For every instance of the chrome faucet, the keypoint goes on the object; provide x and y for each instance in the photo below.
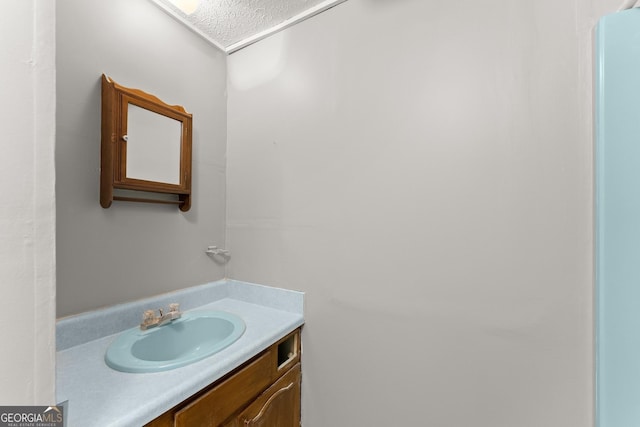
(150, 320)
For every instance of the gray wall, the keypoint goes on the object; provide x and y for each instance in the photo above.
(27, 207)
(130, 251)
(422, 169)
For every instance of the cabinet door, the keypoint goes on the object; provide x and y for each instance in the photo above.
(218, 404)
(278, 406)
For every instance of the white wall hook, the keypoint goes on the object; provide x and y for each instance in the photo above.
(628, 4)
(214, 250)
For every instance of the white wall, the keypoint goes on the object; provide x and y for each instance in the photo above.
(133, 250)
(423, 170)
(27, 207)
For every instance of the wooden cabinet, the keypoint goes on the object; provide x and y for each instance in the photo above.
(278, 406)
(264, 392)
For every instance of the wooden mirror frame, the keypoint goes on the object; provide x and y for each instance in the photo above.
(113, 153)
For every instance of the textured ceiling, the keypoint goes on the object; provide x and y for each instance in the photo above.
(233, 24)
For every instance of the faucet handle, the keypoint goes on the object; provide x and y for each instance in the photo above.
(148, 317)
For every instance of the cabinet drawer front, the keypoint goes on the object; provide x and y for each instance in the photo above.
(215, 406)
(278, 406)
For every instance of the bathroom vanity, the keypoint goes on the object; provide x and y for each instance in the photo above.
(253, 382)
(264, 391)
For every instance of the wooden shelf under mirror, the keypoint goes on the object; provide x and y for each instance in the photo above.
(146, 148)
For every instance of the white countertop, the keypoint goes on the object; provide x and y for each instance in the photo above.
(101, 396)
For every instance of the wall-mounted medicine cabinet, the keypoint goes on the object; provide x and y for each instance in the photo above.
(146, 148)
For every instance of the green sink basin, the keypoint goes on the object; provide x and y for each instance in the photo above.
(193, 337)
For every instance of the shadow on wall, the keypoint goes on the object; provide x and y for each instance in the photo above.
(254, 67)
(386, 3)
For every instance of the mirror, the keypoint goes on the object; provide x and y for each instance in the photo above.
(153, 146)
(146, 148)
